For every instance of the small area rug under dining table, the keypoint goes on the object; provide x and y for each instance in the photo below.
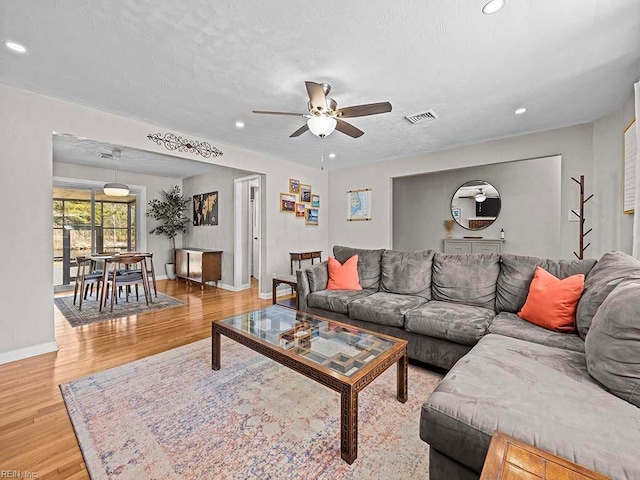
(170, 416)
(91, 313)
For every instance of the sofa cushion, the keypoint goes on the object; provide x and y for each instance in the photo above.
(384, 308)
(407, 273)
(336, 300)
(459, 323)
(368, 264)
(516, 273)
(318, 276)
(541, 395)
(611, 269)
(467, 279)
(343, 276)
(511, 325)
(613, 343)
(551, 302)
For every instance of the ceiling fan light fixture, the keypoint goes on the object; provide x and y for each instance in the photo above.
(321, 126)
(480, 197)
(116, 189)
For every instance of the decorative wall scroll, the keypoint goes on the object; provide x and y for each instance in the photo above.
(359, 205)
(205, 209)
(174, 142)
(630, 168)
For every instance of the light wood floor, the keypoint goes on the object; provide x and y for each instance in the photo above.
(35, 431)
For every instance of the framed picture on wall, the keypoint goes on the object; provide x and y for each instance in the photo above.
(205, 209)
(311, 216)
(359, 205)
(300, 208)
(305, 193)
(287, 203)
(294, 185)
(315, 201)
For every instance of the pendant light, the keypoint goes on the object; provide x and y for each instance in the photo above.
(115, 189)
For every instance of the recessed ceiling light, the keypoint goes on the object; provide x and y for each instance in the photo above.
(16, 47)
(332, 155)
(493, 6)
(239, 124)
(520, 111)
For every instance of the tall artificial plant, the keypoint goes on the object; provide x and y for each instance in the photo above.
(169, 211)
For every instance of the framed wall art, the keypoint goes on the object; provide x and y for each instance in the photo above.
(305, 193)
(300, 208)
(359, 205)
(294, 186)
(311, 216)
(287, 203)
(315, 201)
(205, 209)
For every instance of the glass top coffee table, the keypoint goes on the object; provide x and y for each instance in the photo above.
(342, 357)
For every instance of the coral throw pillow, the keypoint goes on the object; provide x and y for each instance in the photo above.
(343, 276)
(552, 302)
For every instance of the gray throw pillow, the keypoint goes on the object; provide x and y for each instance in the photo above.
(612, 346)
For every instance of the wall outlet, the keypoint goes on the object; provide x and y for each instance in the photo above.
(573, 217)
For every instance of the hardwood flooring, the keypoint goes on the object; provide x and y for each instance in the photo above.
(35, 431)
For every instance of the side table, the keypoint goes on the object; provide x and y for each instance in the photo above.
(292, 281)
(511, 459)
(299, 256)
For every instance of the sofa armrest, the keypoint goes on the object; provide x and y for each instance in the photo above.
(311, 279)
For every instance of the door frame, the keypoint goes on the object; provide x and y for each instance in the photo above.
(241, 218)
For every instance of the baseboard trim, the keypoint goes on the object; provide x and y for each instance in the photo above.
(281, 291)
(22, 353)
(233, 288)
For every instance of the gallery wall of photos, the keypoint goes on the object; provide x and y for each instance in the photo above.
(301, 202)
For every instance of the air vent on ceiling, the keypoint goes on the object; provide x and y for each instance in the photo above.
(106, 155)
(422, 117)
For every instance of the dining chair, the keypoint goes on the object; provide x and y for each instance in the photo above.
(86, 277)
(135, 273)
(151, 271)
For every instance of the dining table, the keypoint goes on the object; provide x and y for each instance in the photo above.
(112, 258)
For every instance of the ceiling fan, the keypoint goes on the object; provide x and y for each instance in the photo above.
(324, 117)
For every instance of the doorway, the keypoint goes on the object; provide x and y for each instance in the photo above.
(247, 255)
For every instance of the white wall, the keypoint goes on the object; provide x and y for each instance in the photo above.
(26, 166)
(160, 246)
(529, 193)
(612, 228)
(577, 145)
(215, 237)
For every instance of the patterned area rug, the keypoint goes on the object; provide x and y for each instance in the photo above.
(170, 416)
(91, 314)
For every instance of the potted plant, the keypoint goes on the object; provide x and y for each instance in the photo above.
(169, 211)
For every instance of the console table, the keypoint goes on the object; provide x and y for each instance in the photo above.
(293, 283)
(472, 245)
(299, 256)
(199, 265)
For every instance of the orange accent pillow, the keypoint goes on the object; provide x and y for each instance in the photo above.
(552, 302)
(343, 276)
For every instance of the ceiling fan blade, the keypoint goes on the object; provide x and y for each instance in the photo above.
(280, 113)
(363, 110)
(300, 131)
(316, 96)
(348, 129)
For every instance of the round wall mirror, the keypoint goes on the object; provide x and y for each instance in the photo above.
(475, 205)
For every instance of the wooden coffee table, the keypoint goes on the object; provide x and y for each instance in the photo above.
(344, 358)
(511, 459)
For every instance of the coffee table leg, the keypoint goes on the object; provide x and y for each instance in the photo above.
(215, 349)
(403, 371)
(349, 425)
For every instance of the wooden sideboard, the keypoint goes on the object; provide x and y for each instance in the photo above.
(199, 265)
(472, 245)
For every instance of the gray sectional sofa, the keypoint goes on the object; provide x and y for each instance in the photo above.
(458, 312)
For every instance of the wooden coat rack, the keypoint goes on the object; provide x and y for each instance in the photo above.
(581, 218)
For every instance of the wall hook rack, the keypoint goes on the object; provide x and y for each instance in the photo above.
(581, 219)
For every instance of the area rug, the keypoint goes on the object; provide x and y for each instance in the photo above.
(170, 416)
(91, 314)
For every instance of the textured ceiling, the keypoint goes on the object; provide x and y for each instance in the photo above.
(82, 151)
(199, 66)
